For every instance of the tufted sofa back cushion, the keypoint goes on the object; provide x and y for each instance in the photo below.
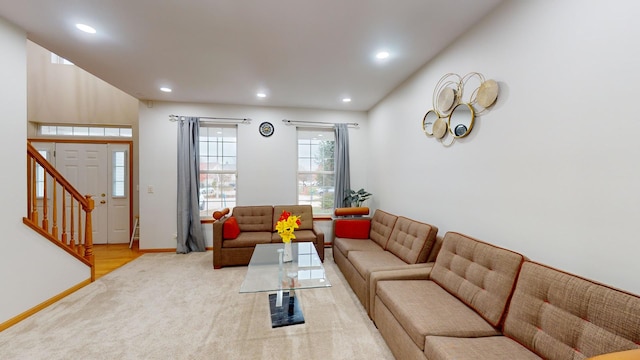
(254, 218)
(304, 211)
(562, 316)
(411, 240)
(479, 274)
(381, 226)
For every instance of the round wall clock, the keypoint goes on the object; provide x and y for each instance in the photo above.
(266, 129)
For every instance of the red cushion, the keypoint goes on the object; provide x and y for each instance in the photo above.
(230, 229)
(352, 228)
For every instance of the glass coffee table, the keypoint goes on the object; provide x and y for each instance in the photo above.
(268, 273)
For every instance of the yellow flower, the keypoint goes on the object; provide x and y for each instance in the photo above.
(287, 225)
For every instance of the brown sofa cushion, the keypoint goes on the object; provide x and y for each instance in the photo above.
(305, 212)
(563, 316)
(248, 239)
(490, 347)
(345, 246)
(411, 240)
(254, 218)
(381, 226)
(480, 274)
(423, 308)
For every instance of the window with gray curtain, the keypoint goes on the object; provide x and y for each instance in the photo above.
(342, 167)
(316, 176)
(189, 236)
(218, 167)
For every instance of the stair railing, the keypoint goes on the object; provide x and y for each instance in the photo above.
(45, 187)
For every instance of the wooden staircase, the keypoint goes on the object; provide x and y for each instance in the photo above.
(57, 211)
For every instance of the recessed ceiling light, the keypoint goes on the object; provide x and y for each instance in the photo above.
(261, 95)
(382, 55)
(86, 28)
(165, 89)
(346, 100)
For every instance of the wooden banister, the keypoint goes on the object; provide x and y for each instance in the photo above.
(80, 243)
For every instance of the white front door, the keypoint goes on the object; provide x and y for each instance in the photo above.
(90, 169)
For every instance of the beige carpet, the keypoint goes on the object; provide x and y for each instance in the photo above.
(169, 306)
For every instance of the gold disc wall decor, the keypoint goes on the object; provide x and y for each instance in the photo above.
(487, 93)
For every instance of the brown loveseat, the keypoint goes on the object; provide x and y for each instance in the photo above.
(383, 243)
(480, 301)
(256, 225)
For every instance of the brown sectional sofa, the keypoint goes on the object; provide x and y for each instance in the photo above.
(257, 226)
(393, 242)
(480, 301)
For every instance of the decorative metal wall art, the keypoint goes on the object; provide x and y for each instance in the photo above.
(454, 113)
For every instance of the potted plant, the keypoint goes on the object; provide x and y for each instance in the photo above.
(356, 198)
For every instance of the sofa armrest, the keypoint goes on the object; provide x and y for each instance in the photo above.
(218, 227)
(621, 355)
(420, 271)
(319, 240)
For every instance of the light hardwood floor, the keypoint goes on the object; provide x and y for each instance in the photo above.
(111, 256)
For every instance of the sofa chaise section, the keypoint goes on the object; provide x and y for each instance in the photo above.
(407, 245)
(465, 296)
(554, 315)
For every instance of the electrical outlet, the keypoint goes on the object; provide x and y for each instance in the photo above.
(150, 189)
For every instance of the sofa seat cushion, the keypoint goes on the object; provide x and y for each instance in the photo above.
(248, 239)
(560, 315)
(345, 246)
(423, 308)
(301, 236)
(479, 274)
(367, 262)
(490, 347)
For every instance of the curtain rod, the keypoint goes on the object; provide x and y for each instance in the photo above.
(242, 120)
(293, 122)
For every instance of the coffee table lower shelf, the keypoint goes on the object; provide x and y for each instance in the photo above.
(289, 313)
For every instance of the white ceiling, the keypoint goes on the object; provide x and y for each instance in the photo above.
(302, 53)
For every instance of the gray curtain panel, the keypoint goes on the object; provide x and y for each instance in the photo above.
(190, 236)
(342, 172)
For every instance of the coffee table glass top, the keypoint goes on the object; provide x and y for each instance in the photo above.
(266, 274)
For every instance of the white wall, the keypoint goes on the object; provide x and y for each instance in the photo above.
(266, 166)
(32, 270)
(552, 170)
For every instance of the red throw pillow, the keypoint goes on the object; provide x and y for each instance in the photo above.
(352, 228)
(230, 229)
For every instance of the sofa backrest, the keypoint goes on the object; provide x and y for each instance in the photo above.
(562, 316)
(304, 211)
(479, 274)
(254, 218)
(381, 226)
(411, 240)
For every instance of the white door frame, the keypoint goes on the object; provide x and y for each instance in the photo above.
(49, 144)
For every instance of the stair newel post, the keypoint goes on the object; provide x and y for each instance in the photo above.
(88, 236)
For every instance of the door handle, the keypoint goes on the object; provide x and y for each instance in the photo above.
(103, 202)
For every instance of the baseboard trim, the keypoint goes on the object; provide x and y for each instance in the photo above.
(7, 324)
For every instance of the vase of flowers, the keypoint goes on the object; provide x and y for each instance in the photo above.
(286, 226)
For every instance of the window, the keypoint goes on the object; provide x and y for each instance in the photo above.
(218, 170)
(90, 131)
(55, 59)
(316, 184)
(119, 174)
